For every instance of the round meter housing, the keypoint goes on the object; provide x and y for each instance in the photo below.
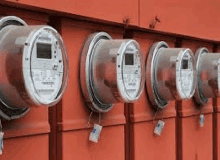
(34, 66)
(111, 71)
(208, 75)
(170, 74)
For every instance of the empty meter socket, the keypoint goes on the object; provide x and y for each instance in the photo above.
(170, 74)
(111, 71)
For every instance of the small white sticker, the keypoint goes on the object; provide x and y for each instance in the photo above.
(159, 127)
(202, 120)
(94, 135)
(1, 142)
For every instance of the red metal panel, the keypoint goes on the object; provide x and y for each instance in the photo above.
(27, 137)
(194, 142)
(147, 145)
(110, 146)
(194, 18)
(73, 115)
(110, 10)
(144, 144)
(28, 147)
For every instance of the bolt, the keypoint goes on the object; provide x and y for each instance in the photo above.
(157, 19)
(126, 21)
(154, 22)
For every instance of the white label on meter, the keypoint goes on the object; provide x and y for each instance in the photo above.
(186, 75)
(47, 66)
(131, 71)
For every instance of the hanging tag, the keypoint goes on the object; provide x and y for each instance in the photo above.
(159, 127)
(202, 120)
(1, 142)
(94, 135)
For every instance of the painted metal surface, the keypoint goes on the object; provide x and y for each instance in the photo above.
(108, 10)
(196, 141)
(194, 18)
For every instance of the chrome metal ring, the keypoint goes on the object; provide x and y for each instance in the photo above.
(88, 90)
(199, 96)
(7, 112)
(154, 97)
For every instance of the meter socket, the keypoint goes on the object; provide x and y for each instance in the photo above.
(34, 67)
(208, 75)
(111, 71)
(170, 74)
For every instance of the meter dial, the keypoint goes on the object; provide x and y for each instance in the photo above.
(208, 75)
(34, 66)
(170, 74)
(185, 75)
(110, 72)
(46, 66)
(46, 72)
(131, 71)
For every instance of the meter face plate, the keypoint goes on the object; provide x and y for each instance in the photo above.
(186, 75)
(46, 66)
(131, 71)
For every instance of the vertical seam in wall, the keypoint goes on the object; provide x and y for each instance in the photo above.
(55, 113)
(178, 105)
(127, 132)
(139, 12)
(52, 134)
(215, 47)
(178, 132)
(59, 139)
(214, 120)
(214, 130)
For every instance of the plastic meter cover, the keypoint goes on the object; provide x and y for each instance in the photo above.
(111, 71)
(170, 74)
(34, 66)
(208, 75)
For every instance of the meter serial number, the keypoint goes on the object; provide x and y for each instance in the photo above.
(48, 83)
(131, 84)
(45, 90)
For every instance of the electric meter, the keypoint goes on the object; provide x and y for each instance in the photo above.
(208, 75)
(111, 71)
(34, 67)
(170, 74)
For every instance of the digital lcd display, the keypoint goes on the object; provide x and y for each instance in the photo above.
(129, 59)
(44, 51)
(185, 64)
